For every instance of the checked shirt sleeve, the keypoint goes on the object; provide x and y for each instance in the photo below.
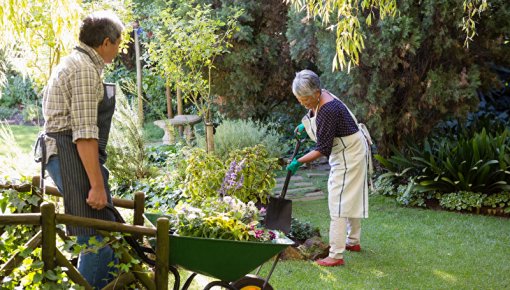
(86, 91)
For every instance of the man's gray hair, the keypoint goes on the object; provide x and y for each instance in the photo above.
(306, 83)
(98, 26)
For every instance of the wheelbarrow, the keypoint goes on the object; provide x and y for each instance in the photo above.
(230, 262)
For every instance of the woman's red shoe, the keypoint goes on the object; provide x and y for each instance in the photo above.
(330, 262)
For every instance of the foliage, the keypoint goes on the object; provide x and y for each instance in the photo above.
(415, 70)
(237, 134)
(255, 77)
(30, 274)
(207, 176)
(258, 172)
(189, 61)
(462, 200)
(302, 231)
(18, 91)
(7, 113)
(16, 163)
(220, 218)
(384, 186)
(349, 14)
(127, 153)
(203, 175)
(477, 164)
(41, 31)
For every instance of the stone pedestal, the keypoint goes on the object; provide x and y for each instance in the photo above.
(168, 125)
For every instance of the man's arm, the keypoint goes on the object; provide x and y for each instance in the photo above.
(89, 155)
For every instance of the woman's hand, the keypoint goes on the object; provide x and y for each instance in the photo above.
(300, 132)
(294, 166)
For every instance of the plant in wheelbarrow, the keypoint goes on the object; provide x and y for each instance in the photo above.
(222, 239)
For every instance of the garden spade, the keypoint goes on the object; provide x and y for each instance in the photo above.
(279, 209)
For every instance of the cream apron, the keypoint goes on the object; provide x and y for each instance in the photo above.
(348, 178)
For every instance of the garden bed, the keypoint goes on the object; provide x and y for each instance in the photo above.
(484, 210)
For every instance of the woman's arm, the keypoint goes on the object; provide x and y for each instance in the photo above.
(310, 156)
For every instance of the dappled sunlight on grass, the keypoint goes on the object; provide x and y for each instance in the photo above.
(377, 273)
(445, 276)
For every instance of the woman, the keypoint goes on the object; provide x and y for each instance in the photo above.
(331, 124)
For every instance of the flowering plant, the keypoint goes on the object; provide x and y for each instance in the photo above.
(249, 176)
(221, 218)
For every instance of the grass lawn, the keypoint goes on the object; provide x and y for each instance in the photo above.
(402, 248)
(25, 137)
(407, 248)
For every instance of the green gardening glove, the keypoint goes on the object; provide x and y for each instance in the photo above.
(294, 166)
(300, 132)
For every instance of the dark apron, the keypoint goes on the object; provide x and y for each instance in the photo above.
(75, 181)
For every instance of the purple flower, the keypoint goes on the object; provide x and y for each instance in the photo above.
(231, 181)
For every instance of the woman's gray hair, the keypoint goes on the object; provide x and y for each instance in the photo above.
(306, 83)
(98, 26)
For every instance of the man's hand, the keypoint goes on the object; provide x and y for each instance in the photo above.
(97, 198)
(300, 132)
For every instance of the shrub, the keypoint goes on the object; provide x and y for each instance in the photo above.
(247, 175)
(17, 91)
(384, 186)
(302, 231)
(7, 113)
(127, 153)
(257, 173)
(476, 164)
(238, 134)
(462, 200)
(203, 175)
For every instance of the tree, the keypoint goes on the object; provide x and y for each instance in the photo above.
(254, 79)
(38, 33)
(349, 35)
(187, 42)
(416, 69)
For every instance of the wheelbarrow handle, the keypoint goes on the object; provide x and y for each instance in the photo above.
(289, 173)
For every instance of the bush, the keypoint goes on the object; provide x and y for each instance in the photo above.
(248, 175)
(238, 134)
(476, 164)
(7, 113)
(462, 200)
(127, 149)
(302, 231)
(17, 91)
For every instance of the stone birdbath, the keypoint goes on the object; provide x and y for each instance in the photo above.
(168, 125)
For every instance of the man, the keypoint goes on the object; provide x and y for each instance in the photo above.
(78, 109)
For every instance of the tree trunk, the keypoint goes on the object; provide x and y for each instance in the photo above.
(209, 136)
(209, 132)
(138, 78)
(179, 109)
(170, 113)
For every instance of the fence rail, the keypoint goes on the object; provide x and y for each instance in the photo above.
(46, 217)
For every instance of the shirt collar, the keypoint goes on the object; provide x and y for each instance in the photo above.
(96, 58)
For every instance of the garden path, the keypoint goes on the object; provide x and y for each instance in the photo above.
(303, 185)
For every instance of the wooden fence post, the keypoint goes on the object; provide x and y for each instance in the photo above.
(139, 208)
(49, 235)
(162, 252)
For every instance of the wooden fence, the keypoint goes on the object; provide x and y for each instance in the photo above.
(45, 217)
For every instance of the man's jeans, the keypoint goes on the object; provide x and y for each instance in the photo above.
(92, 266)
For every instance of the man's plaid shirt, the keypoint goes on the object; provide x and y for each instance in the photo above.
(71, 98)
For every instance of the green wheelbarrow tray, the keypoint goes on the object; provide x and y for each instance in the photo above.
(225, 260)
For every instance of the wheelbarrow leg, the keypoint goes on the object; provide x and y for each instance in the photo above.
(188, 281)
(272, 269)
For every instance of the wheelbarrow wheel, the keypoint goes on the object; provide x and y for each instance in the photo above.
(251, 282)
